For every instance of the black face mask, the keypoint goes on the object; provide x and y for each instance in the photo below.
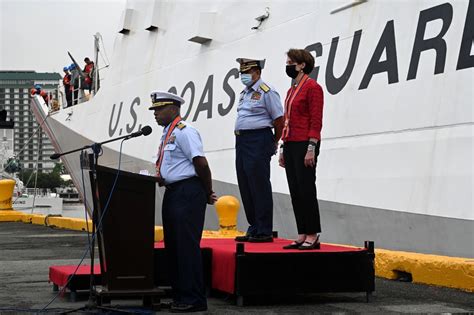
(291, 71)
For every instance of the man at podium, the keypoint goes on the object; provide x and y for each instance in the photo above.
(182, 168)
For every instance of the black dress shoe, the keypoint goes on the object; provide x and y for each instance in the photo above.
(243, 238)
(294, 245)
(187, 308)
(261, 239)
(308, 245)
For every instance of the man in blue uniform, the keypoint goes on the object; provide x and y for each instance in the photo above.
(182, 168)
(259, 111)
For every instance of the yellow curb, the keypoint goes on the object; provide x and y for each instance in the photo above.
(34, 219)
(58, 222)
(445, 271)
(69, 223)
(11, 216)
(452, 272)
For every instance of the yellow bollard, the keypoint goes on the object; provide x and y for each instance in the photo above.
(6, 193)
(227, 208)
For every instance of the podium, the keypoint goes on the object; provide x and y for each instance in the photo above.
(125, 235)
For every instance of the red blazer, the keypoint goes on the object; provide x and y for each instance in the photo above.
(306, 117)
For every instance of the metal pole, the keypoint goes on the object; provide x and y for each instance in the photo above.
(96, 64)
(36, 172)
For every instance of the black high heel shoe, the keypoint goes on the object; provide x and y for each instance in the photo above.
(294, 245)
(308, 245)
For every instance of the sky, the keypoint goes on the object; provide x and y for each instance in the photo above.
(36, 35)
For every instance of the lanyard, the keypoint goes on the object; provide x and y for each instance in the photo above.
(290, 97)
(161, 150)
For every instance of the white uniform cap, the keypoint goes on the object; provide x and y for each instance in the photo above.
(159, 99)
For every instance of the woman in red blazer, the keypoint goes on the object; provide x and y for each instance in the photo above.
(301, 141)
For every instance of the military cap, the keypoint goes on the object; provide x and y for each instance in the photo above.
(246, 64)
(159, 99)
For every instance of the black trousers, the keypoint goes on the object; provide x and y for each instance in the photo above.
(183, 212)
(302, 184)
(253, 151)
(68, 93)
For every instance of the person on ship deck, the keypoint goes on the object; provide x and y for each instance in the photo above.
(67, 86)
(89, 72)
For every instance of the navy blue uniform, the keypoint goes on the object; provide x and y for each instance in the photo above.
(183, 213)
(259, 106)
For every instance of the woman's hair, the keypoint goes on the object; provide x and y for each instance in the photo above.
(300, 56)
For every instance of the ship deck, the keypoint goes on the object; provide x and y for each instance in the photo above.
(27, 251)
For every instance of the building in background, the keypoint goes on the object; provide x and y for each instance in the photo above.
(29, 147)
(6, 139)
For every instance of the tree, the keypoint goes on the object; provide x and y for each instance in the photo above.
(59, 168)
(44, 180)
(13, 166)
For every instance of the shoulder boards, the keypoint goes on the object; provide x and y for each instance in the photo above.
(180, 125)
(265, 88)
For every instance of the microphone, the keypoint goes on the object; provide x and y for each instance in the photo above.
(145, 131)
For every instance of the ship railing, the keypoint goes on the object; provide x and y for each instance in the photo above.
(39, 192)
(79, 96)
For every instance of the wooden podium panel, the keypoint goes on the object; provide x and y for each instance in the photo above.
(126, 236)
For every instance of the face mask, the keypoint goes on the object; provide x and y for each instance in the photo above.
(246, 79)
(291, 71)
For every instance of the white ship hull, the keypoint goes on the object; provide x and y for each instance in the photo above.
(396, 162)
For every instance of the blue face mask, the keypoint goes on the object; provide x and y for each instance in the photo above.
(246, 79)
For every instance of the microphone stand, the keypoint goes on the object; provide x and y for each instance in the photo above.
(96, 147)
(92, 162)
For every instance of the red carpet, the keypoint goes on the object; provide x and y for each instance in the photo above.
(59, 275)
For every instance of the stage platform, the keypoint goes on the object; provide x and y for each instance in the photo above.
(253, 269)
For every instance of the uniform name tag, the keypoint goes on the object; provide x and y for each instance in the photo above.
(170, 147)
